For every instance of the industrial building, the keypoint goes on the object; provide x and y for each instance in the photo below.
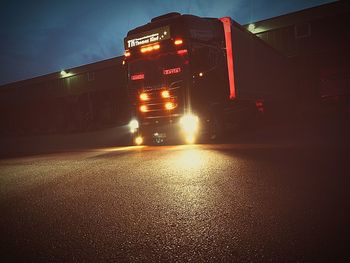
(316, 41)
(74, 100)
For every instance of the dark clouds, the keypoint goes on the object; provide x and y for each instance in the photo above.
(39, 37)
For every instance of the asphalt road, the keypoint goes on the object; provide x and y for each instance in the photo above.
(198, 203)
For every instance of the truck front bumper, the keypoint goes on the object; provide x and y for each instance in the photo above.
(175, 130)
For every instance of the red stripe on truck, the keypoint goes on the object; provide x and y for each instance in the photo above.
(226, 21)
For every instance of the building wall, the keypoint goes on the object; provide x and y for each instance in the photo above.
(317, 42)
(94, 97)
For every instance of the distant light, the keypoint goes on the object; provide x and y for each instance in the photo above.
(65, 73)
(251, 27)
(200, 74)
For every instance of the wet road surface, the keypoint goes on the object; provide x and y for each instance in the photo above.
(198, 203)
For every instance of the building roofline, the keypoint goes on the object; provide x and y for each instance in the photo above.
(303, 15)
(98, 65)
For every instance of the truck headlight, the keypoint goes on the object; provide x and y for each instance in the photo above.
(189, 124)
(133, 125)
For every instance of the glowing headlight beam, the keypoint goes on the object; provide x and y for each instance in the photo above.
(189, 123)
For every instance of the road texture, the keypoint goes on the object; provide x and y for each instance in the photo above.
(278, 202)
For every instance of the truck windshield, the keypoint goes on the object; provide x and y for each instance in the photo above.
(153, 72)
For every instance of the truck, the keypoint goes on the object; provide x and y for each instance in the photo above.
(191, 77)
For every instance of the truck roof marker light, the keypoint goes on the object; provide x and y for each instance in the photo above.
(150, 48)
(144, 49)
(144, 96)
(169, 106)
(165, 94)
(178, 42)
(226, 21)
(182, 52)
(143, 108)
(127, 53)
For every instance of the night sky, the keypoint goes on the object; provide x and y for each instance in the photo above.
(40, 37)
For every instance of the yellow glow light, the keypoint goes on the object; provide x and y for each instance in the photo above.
(143, 108)
(165, 94)
(144, 96)
(138, 140)
(189, 124)
(150, 48)
(190, 139)
(178, 42)
(169, 105)
(127, 53)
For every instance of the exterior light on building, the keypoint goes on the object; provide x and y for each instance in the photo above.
(251, 27)
(65, 73)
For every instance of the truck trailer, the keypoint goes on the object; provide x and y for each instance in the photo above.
(190, 77)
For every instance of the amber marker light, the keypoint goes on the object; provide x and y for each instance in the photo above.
(127, 53)
(143, 108)
(150, 48)
(169, 105)
(165, 94)
(145, 49)
(178, 42)
(144, 96)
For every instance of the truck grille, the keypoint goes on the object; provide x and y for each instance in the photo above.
(156, 105)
